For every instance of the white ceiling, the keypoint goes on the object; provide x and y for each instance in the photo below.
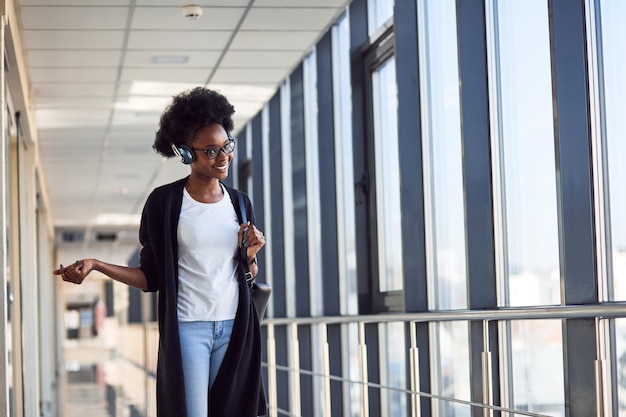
(98, 90)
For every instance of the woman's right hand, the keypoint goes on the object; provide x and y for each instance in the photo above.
(76, 272)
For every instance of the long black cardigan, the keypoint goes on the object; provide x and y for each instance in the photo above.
(238, 388)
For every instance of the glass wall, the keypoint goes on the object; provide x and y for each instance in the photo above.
(385, 102)
(312, 183)
(450, 368)
(346, 240)
(527, 157)
(444, 205)
(393, 368)
(378, 12)
(525, 191)
(443, 176)
(538, 366)
(344, 167)
(613, 34)
(611, 15)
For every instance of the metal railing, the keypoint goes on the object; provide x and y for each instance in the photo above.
(597, 311)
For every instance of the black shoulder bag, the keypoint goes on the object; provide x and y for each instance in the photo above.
(259, 291)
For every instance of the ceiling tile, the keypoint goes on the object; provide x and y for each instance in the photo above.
(166, 74)
(71, 135)
(288, 19)
(68, 18)
(261, 59)
(183, 40)
(92, 3)
(73, 39)
(133, 118)
(203, 3)
(82, 75)
(245, 92)
(46, 89)
(55, 118)
(240, 76)
(274, 40)
(301, 3)
(92, 102)
(73, 58)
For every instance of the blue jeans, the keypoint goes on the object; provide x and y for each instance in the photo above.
(203, 345)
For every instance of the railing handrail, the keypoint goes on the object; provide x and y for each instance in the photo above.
(604, 310)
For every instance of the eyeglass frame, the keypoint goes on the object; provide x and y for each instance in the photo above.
(230, 144)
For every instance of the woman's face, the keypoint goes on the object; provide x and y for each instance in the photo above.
(211, 138)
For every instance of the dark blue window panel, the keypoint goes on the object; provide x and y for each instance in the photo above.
(299, 193)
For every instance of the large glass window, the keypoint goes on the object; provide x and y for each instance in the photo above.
(393, 369)
(378, 12)
(537, 357)
(285, 135)
(525, 196)
(613, 14)
(385, 110)
(443, 186)
(525, 139)
(441, 138)
(450, 368)
(612, 33)
(346, 240)
(312, 183)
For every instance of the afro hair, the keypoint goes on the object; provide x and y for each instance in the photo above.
(190, 111)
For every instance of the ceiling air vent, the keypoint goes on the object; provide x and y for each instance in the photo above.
(72, 236)
(106, 236)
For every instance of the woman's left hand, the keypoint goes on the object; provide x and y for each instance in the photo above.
(251, 238)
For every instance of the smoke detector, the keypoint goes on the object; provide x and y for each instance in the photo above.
(192, 11)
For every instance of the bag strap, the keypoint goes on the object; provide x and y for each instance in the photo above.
(242, 207)
(243, 257)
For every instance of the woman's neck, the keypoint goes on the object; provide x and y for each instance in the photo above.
(209, 191)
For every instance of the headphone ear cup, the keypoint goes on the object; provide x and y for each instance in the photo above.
(186, 155)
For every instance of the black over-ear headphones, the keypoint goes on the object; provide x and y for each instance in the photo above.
(184, 154)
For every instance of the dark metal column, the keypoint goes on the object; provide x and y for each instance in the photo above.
(477, 184)
(277, 299)
(258, 194)
(572, 133)
(412, 184)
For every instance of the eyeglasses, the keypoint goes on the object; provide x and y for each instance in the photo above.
(212, 153)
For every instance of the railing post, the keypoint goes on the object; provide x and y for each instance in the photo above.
(486, 368)
(602, 403)
(415, 374)
(296, 407)
(326, 368)
(363, 371)
(272, 391)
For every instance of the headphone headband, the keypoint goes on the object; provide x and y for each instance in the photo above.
(185, 154)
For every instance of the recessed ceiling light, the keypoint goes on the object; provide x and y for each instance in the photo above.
(170, 59)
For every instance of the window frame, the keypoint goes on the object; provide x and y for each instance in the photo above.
(378, 52)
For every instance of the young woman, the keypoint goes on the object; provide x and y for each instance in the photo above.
(210, 346)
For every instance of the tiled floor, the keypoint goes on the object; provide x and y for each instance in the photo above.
(86, 399)
(92, 381)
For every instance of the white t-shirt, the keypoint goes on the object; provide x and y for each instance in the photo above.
(207, 260)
